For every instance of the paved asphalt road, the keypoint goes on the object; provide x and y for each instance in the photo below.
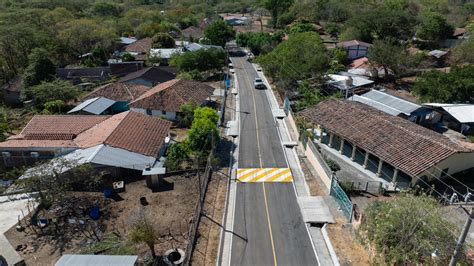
(268, 226)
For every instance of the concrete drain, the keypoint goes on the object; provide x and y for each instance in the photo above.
(174, 257)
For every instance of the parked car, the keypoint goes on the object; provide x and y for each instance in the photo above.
(258, 83)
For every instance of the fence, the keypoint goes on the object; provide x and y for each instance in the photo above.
(374, 187)
(203, 182)
(341, 198)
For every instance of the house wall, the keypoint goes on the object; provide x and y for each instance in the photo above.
(169, 115)
(455, 163)
(19, 157)
(140, 81)
(356, 51)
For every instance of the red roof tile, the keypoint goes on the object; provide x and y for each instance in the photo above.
(118, 91)
(399, 142)
(170, 95)
(140, 46)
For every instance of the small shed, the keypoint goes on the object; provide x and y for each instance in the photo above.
(96, 260)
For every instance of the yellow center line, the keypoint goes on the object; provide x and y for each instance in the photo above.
(255, 113)
(269, 224)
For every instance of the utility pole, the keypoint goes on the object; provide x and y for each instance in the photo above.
(462, 238)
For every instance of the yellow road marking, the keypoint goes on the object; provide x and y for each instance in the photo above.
(278, 175)
(249, 173)
(267, 172)
(269, 225)
(288, 179)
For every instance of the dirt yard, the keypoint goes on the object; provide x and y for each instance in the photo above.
(172, 211)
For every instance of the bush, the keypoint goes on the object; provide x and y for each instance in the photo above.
(332, 164)
(175, 155)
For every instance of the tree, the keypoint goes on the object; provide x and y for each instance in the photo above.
(40, 68)
(301, 27)
(163, 40)
(463, 52)
(407, 230)
(4, 127)
(81, 35)
(276, 8)
(382, 24)
(175, 155)
(204, 133)
(143, 230)
(104, 9)
(53, 180)
(127, 57)
(50, 91)
(257, 42)
(187, 114)
(433, 27)
(201, 60)
(219, 33)
(457, 86)
(386, 53)
(302, 57)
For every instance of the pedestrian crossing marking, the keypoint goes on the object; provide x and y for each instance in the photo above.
(264, 175)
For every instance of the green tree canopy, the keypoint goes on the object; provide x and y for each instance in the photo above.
(50, 91)
(40, 68)
(257, 42)
(457, 86)
(163, 40)
(433, 27)
(81, 35)
(463, 52)
(277, 8)
(201, 60)
(204, 133)
(383, 23)
(303, 56)
(388, 54)
(219, 32)
(407, 230)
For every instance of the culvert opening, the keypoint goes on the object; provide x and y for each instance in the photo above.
(174, 256)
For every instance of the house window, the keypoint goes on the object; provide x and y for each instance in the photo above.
(163, 112)
(148, 111)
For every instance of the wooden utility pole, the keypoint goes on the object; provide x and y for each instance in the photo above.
(462, 238)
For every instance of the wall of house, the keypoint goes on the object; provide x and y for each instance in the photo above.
(140, 81)
(356, 51)
(19, 157)
(455, 163)
(168, 115)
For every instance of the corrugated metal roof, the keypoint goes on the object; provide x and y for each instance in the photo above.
(165, 53)
(387, 103)
(464, 113)
(100, 154)
(93, 260)
(94, 106)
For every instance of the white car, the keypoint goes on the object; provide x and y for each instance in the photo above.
(258, 83)
(231, 68)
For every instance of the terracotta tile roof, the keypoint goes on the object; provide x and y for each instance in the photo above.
(399, 142)
(131, 131)
(58, 127)
(140, 133)
(353, 43)
(459, 32)
(140, 46)
(23, 143)
(169, 96)
(362, 62)
(194, 32)
(118, 91)
(153, 74)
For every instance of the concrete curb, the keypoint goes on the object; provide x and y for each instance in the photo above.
(332, 252)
